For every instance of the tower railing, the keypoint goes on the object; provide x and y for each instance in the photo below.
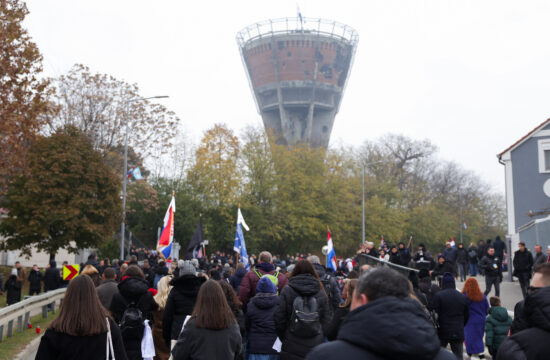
(308, 26)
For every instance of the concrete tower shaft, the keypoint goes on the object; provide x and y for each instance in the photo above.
(298, 71)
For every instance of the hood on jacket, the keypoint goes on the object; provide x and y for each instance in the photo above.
(321, 271)
(537, 308)
(499, 313)
(265, 300)
(406, 331)
(133, 287)
(304, 284)
(188, 285)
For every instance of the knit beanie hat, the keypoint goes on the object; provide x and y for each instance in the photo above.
(187, 268)
(448, 281)
(180, 264)
(265, 285)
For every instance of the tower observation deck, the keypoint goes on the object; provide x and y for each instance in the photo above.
(298, 71)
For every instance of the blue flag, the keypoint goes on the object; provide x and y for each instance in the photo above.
(239, 246)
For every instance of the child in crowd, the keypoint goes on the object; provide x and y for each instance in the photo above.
(496, 326)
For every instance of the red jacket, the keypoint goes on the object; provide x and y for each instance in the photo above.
(250, 280)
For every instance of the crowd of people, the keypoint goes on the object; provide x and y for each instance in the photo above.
(293, 307)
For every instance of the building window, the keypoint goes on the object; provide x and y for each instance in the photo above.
(544, 155)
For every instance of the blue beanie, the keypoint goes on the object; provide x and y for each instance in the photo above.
(448, 281)
(265, 285)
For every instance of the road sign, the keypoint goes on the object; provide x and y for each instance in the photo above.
(70, 271)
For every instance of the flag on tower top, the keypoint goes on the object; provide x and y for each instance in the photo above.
(167, 236)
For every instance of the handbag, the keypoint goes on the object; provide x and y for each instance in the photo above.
(109, 351)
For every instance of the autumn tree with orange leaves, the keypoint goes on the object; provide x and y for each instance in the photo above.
(23, 95)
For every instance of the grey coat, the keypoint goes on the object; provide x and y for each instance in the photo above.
(106, 291)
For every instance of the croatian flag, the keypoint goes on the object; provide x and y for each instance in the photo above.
(165, 242)
(453, 242)
(331, 255)
(240, 246)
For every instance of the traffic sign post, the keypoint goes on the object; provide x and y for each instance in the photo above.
(70, 271)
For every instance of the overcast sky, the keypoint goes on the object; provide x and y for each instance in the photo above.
(471, 76)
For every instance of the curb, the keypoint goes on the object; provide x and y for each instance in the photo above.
(29, 351)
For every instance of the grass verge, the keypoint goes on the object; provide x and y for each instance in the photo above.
(11, 346)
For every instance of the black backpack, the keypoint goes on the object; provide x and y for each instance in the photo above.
(132, 322)
(305, 320)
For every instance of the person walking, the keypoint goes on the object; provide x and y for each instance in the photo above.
(13, 288)
(452, 310)
(180, 302)
(83, 328)
(342, 311)
(540, 258)
(534, 341)
(133, 292)
(303, 296)
(477, 309)
(162, 349)
(35, 281)
(250, 280)
(260, 325)
(108, 288)
(212, 331)
(462, 262)
(497, 326)
(52, 280)
(523, 264)
(473, 259)
(492, 269)
(373, 332)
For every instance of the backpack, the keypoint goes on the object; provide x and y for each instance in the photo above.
(132, 322)
(326, 284)
(305, 320)
(274, 278)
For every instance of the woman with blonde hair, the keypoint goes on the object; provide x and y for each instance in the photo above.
(475, 327)
(164, 288)
(93, 273)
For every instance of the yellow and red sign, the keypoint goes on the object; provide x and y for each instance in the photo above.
(70, 271)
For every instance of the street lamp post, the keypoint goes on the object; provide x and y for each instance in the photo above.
(124, 174)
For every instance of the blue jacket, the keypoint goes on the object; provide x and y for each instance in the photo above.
(260, 324)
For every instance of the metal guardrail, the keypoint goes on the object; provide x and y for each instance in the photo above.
(372, 261)
(21, 311)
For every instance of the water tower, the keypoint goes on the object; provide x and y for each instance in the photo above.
(298, 70)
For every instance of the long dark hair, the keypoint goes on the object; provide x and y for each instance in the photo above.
(231, 297)
(211, 309)
(81, 312)
(305, 267)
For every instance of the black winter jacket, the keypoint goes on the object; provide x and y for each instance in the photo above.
(133, 289)
(260, 325)
(534, 342)
(441, 269)
(35, 280)
(55, 345)
(295, 347)
(491, 266)
(523, 262)
(371, 332)
(180, 303)
(205, 344)
(429, 289)
(452, 309)
(461, 256)
(13, 289)
(52, 280)
(336, 322)
(333, 285)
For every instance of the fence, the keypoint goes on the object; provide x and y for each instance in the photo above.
(21, 312)
(364, 259)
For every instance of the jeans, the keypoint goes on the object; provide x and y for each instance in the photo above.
(263, 357)
(462, 271)
(473, 269)
(489, 281)
(456, 347)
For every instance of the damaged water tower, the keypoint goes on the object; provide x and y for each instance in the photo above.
(298, 70)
